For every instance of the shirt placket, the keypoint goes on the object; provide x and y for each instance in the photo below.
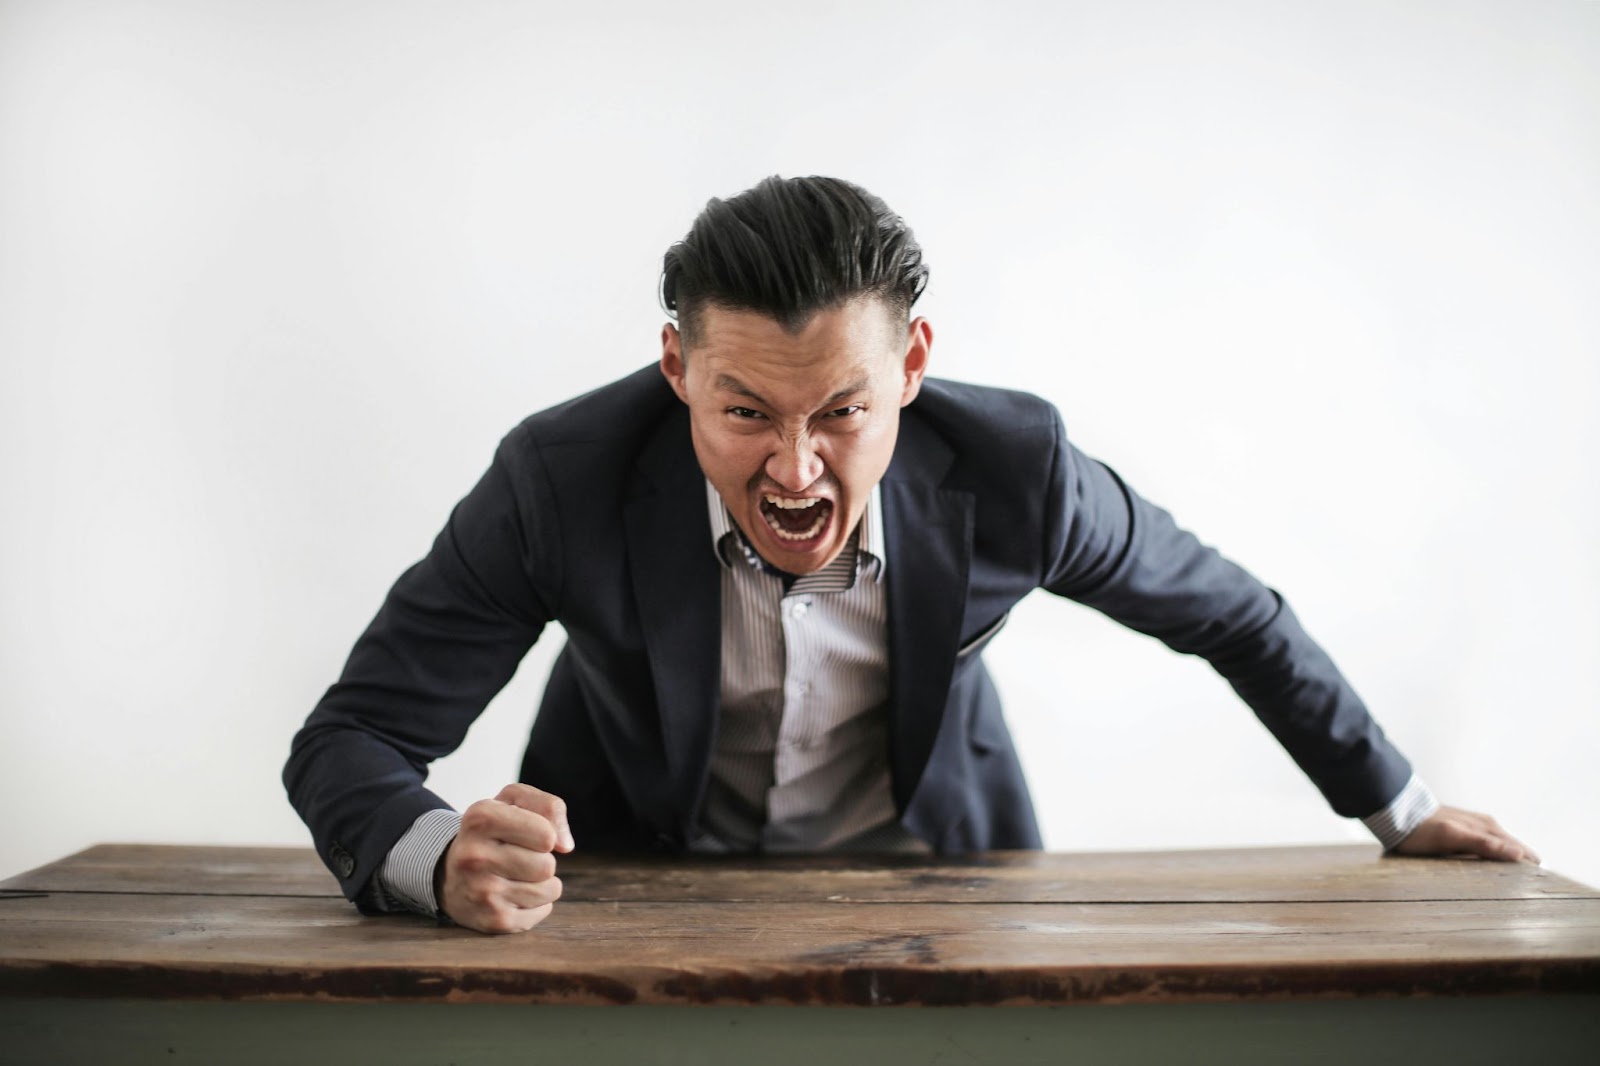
(798, 614)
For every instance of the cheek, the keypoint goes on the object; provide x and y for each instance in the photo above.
(865, 453)
(728, 453)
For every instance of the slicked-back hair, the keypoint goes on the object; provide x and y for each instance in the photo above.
(788, 248)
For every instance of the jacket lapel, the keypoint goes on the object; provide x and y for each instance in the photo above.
(929, 543)
(677, 589)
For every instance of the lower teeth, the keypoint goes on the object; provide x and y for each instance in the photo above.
(805, 534)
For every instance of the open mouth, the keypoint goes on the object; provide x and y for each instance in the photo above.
(796, 521)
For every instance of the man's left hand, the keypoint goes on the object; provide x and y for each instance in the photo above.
(1453, 831)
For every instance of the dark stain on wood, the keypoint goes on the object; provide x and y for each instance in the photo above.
(362, 985)
(912, 948)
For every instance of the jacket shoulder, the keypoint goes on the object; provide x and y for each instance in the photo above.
(980, 420)
(622, 413)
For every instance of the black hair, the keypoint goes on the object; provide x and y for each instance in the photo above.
(788, 248)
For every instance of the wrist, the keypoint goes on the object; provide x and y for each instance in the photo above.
(438, 882)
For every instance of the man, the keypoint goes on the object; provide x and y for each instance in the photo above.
(777, 558)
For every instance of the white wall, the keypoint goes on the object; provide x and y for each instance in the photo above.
(1319, 278)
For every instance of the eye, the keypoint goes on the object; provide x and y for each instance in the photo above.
(744, 412)
(845, 412)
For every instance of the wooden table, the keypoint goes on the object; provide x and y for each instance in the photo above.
(1253, 955)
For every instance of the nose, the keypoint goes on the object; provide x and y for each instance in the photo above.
(795, 465)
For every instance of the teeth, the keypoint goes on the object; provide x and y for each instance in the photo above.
(791, 505)
(804, 534)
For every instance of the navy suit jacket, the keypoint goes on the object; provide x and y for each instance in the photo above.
(592, 514)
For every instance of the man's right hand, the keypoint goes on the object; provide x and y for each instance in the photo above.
(499, 875)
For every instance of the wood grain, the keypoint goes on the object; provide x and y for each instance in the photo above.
(167, 922)
(85, 944)
(1323, 873)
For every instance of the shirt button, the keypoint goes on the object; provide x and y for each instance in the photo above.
(799, 609)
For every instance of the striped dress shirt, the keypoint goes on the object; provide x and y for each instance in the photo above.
(801, 761)
(801, 755)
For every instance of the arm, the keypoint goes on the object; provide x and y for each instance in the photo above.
(1120, 554)
(448, 637)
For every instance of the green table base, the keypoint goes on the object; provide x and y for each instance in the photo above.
(1498, 1030)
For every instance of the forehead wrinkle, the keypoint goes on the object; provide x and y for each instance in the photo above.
(728, 383)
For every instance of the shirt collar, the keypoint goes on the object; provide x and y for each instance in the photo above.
(868, 535)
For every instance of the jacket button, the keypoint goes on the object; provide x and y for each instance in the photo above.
(343, 864)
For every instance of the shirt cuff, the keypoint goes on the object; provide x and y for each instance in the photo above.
(405, 879)
(1413, 806)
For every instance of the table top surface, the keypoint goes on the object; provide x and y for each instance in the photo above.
(156, 921)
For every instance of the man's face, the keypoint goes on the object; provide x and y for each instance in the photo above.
(794, 430)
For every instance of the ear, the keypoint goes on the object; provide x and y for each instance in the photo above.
(919, 341)
(673, 367)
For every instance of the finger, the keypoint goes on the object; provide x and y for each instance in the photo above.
(504, 919)
(1524, 853)
(524, 829)
(542, 803)
(1519, 850)
(528, 895)
(505, 904)
(1510, 848)
(485, 856)
(502, 822)
(1507, 848)
(517, 863)
(1492, 847)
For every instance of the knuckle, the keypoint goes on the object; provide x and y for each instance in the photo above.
(478, 817)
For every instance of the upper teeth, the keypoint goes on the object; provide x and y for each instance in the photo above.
(792, 505)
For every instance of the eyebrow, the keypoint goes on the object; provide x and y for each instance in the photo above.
(729, 383)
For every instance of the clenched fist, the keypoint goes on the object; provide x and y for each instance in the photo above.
(498, 874)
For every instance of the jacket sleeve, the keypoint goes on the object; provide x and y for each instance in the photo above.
(448, 636)
(1109, 549)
